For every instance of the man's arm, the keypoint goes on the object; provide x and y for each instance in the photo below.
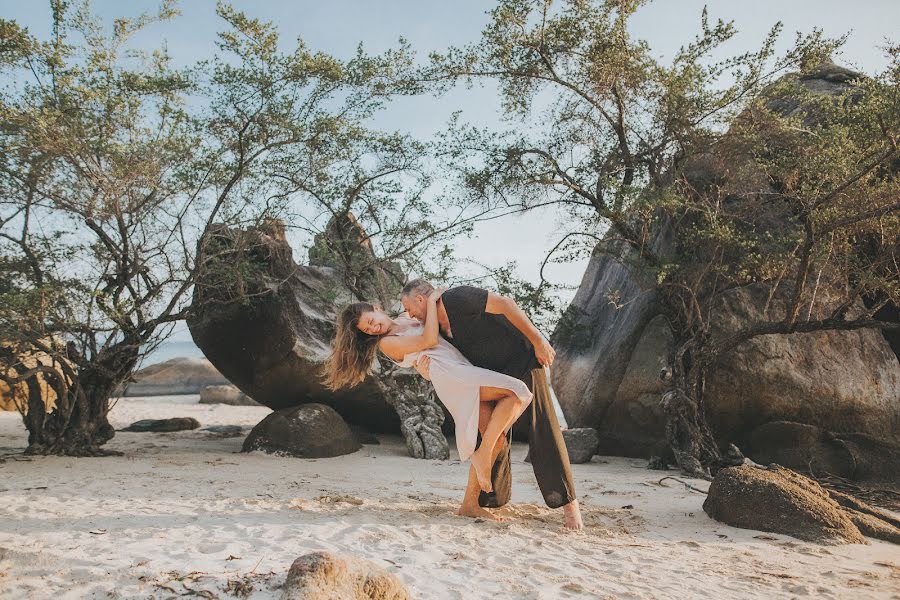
(501, 305)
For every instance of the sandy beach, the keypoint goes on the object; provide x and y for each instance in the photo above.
(186, 514)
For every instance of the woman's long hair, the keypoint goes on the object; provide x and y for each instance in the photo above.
(354, 351)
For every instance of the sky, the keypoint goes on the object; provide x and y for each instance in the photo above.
(338, 26)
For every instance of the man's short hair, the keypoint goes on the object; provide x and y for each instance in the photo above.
(416, 287)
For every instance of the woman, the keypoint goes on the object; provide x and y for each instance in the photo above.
(362, 329)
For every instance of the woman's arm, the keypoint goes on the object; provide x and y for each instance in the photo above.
(398, 346)
(430, 332)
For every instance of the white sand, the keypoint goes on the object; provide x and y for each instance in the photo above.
(185, 511)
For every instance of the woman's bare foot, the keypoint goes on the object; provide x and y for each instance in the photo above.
(573, 516)
(481, 462)
(476, 512)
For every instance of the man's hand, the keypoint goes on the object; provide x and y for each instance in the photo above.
(544, 352)
(422, 367)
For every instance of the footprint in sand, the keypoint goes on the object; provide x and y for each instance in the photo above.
(210, 548)
(571, 588)
(340, 499)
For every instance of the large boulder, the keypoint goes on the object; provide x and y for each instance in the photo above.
(174, 377)
(840, 381)
(779, 500)
(326, 576)
(611, 346)
(307, 431)
(803, 447)
(267, 324)
(614, 342)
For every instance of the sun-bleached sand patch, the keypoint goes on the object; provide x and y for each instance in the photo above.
(187, 513)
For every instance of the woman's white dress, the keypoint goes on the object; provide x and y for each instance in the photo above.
(457, 383)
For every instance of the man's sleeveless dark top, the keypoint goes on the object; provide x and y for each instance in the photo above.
(489, 341)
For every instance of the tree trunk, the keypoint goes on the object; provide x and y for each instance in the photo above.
(421, 416)
(687, 433)
(78, 425)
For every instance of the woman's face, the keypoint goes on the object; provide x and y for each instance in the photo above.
(374, 322)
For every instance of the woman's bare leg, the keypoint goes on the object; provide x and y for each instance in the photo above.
(507, 409)
(470, 507)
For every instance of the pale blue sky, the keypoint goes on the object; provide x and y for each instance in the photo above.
(337, 26)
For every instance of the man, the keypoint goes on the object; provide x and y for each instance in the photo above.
(492, 332)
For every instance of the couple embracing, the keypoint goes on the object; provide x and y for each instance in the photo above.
(486, 361)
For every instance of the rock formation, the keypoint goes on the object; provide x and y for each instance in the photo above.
(174, 377)
(306, 431)
(611, 346)
(613, 343)
(267, 324)
(854, 456)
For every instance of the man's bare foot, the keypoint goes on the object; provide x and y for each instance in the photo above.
(573, 516)
(481, 462)
(477, 512)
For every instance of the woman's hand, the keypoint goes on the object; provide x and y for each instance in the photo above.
(430, 334)
(422, 365)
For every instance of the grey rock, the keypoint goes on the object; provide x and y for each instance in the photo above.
(271, 342)
(174, 377)
(855, 456)
(226, 394)
(582, 444)
(327, 576)
(778, 500)
(306, 431)
(841, 381)
(611, 345)
(163, 425)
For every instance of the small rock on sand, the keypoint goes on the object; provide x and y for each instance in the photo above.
(326, 576)
(163, 425)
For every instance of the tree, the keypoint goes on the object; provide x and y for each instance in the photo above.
(616, 130)
(96, 204)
